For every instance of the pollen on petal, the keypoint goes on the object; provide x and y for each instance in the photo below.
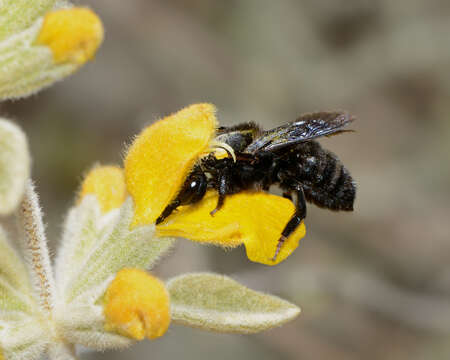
(73, 35)
(136, 305)
(255, 219)
(107, 183)
(162, 155)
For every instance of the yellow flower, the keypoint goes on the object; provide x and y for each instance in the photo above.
(73, 34)
(41, 43)
(162, 155)
(137, 305)
(108, 184)
(156, 166)
(255, 219)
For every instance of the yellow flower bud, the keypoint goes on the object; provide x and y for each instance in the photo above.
(73, 35)
(137, 305)
(107, 183)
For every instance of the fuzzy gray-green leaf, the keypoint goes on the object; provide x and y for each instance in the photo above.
(15, 288)
(218, 303)
(25, 67)
(17, 15)
(14, 165)
(22, 337)
(107, 245)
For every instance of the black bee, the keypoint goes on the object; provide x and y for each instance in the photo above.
(286, 156)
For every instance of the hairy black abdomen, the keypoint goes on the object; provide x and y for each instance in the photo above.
(325, 180)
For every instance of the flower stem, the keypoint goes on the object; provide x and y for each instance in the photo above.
(34, 244)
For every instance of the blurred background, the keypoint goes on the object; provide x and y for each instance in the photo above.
(373, 284)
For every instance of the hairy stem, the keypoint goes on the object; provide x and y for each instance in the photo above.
(34, 244)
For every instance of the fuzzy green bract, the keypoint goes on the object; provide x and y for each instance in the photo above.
(20, 332)
(14, 165)
(218, 303)
(95, 247)
(17, 15)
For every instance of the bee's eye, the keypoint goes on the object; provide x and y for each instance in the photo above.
(194, 188)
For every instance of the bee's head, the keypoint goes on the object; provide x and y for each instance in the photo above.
(194, 187)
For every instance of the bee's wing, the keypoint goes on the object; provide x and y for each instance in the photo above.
(306, 127)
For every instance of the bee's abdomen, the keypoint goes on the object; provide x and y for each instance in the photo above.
(325, 180)
(337, 194)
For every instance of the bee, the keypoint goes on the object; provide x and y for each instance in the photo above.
(287, 156)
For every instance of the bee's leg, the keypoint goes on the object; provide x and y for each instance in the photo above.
(294, 222)
(224, 189)
(219, 205)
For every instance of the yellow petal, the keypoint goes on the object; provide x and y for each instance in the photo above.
(107, 183)
(255, 219)
(161, 157)
(72, 34)
(137, 305)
